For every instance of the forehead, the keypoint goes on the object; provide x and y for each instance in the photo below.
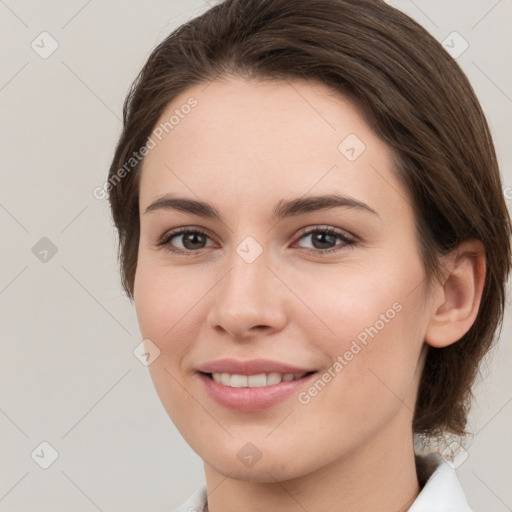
(264, 139)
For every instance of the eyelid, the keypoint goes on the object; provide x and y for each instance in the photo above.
(326, 227)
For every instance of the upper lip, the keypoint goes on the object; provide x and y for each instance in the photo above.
(250, 367)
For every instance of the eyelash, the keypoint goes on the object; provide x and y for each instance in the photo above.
(347, 241)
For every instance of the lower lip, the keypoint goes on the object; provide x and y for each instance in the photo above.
(252, 399)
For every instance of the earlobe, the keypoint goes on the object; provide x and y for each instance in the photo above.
(456, 302)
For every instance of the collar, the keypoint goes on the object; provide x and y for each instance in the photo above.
(441, 490)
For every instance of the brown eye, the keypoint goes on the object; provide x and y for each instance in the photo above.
(184, 241)
(323, 240)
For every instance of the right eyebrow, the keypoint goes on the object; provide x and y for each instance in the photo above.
(192, 206)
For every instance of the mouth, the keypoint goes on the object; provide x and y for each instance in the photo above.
(252, 393)
(260, 380)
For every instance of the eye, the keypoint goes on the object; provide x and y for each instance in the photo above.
(192, 239)
(323, 240)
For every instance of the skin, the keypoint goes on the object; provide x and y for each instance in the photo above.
(246, 146)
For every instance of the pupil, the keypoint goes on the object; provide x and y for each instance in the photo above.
(320, 237)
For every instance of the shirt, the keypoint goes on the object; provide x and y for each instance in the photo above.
(440, 489)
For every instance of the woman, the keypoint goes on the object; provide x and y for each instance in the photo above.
(306, 195)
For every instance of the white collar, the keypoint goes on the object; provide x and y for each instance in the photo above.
(442, 491)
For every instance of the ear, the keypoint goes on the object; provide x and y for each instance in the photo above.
(455, 303)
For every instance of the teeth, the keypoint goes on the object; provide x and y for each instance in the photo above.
(238, 381)
(254, 381)
(273, 378)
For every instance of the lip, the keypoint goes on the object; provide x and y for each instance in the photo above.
(250, 367)
(253, 399)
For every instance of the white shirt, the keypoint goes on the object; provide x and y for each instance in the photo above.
(441, 491)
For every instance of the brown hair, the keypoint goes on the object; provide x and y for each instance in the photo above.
(415, 97)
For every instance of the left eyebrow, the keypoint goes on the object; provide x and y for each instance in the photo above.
(309, 204)
(288, 208)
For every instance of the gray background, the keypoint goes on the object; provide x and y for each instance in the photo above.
(68, 374)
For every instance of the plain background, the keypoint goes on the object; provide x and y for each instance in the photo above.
(68, 375)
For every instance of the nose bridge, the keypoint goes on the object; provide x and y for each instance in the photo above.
(249, 274)
(248, 295)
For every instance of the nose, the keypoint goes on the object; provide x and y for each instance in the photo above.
(249, 301)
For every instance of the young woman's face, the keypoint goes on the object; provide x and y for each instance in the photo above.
(265, 281)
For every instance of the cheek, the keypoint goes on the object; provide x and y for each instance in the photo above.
(367, 386)
(353, 301)
(163, 298)
(171, 306)
(376, 320)
(383, 376)
(162, 316)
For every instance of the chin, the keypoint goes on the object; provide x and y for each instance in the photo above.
(268, 469)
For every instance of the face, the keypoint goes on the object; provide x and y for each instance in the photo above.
(331, 286)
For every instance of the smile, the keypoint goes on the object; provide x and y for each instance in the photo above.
(251, 393)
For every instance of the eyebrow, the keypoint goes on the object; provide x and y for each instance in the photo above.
(288, 208)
